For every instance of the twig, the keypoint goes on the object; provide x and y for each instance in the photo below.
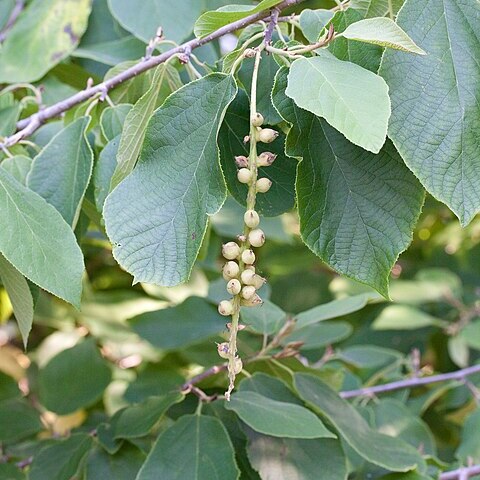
(461, 473)
(17, 10)
(271, 26)
(30, 124)
(411, 382)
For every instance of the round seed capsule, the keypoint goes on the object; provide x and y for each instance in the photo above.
(230, 250)
(238, 366)
(241, 161)
(258, 281)
(257, 119)
(231, 270)
(222, 349)
(252, 302)
(248, 257)
(256, 237)
(244, 175)
(265, 159)
(251, 218)
(267, 135)
(263, 185)
(247, 277)
(234, 287)
(225, 308)
(248, 292)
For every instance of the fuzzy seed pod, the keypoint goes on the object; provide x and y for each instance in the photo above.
(257, 119)
(258, 281)
(251, 218)
(266, 135)
(241, 161)
(249, 53)
(263, 185)
(225, 308)
(265, 159)
(246, 138)
(222, 349)
(250, 267)
(248, 292)
(238, 366)
(230, 270)
(247, 277)
(230, 250)
(252, 302)
(244, 175)
(256, 237)
(234, 287)
(248, 257)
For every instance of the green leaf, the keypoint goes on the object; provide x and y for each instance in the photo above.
(18, 166)
(435, 111)
(270, 387)
(313, 22)
(20, 296)
(103, 171)
(382, 450)
(123, 465)
(62, 459)
(199, 320)
(211, 21)
(321, 335)
(357, 210)
(351, 99)
(137, 420)
(266, 320)
(48, 253)
(143, 21)
(9, 471)
(8, 118)
(470, 446)
(384, 32)
(19, 420)
(157, 217)
(73, 379)
(278, 419)
(112, 120)
(165, 80)
(287, 459)
(334, 309)
(376, 8)
(366, 55)
(196, 447)
(61, 172)
(404, 317)
(281, 196)
(471, 334)
(368, 356)
(43, 35)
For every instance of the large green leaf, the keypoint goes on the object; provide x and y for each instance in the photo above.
(382, 450)
(313, 22)
(294, 459)
(61, 172)
(435, 110)
(18, 166)
(176, 19)
(157, 217)
(44, 34)
(357, 210)
(196, 447)
(266, 320)
(19, 420)
(279, 419)
(112, 120)
(211, 21)
(469, 446)
(384, 32)
(103, 171)
(62, 459)
(351, 99)
(165, 80)
(376, 8)
(74, 378)
(20, 296)
(199, 320)
(38, 242)
(281, 196)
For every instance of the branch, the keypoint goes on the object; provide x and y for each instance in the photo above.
(411, 382)
(16, 11)
(463, 473)
(30, 124)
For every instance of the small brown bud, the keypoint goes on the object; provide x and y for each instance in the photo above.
(225, 308)
(244, 175)
(266, 135)
(248, 292)
(234, 287)
(230, 250)
(230, 270)
(241, 238)
(248, 257)
(257, 119)
(265, 159)
(222, 349)
(251, 218)
(256, 237)
(263, 185)
(241, 161)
